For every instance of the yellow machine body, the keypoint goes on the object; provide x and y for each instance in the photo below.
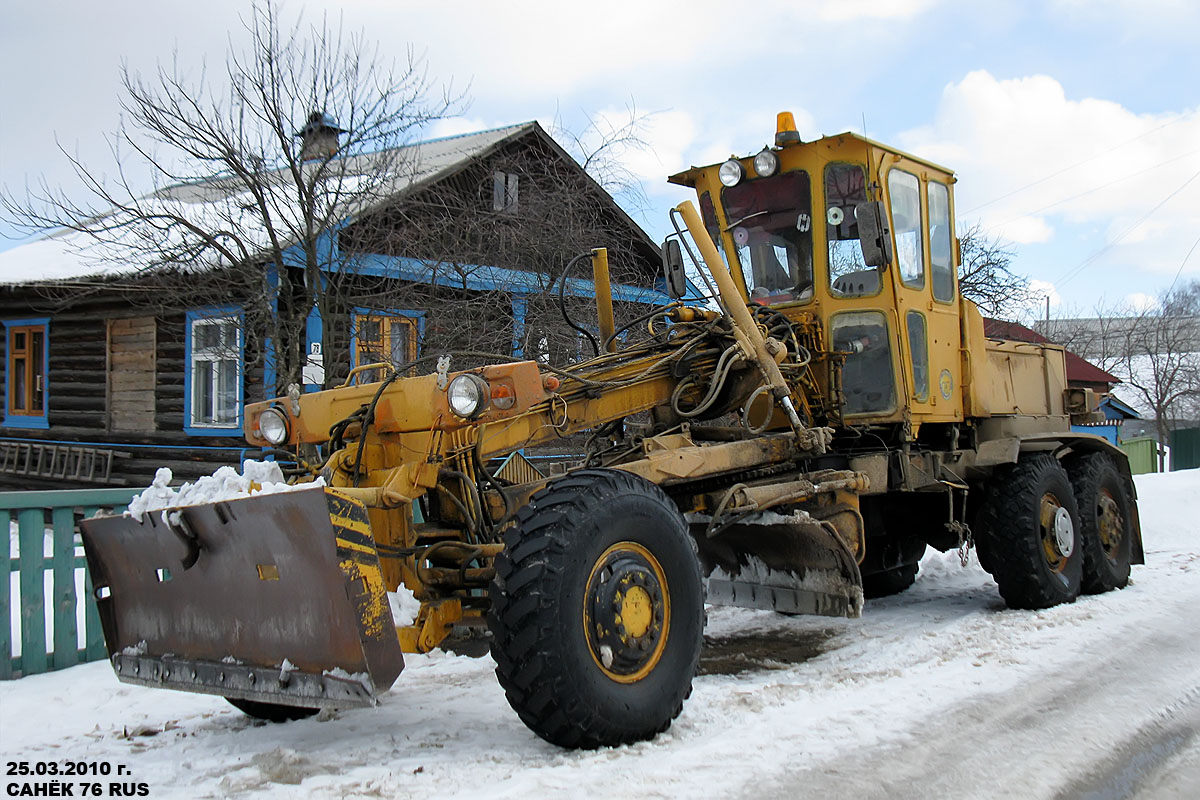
(829, 410)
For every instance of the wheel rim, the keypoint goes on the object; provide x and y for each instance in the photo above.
(1109, 524)
(1058, 532)
(627, 612)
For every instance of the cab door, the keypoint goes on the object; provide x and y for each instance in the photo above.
(923, 276)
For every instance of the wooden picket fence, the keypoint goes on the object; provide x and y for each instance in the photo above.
(54, 516)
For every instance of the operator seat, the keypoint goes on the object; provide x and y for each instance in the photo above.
(859, 283)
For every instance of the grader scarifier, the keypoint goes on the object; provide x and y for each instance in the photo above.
(793, 444)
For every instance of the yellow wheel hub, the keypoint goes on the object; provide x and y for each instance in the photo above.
(627, 612)
(637, 613)
(1110, 523)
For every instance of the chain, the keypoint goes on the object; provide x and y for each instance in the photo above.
(965, 540)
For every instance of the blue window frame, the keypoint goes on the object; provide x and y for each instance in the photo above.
(26, 371)
(213, 385)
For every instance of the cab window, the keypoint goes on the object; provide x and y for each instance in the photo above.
(918, 345)
(849, 275)
(940, 261)
(770, 222)
(868, 383)
(905, 192)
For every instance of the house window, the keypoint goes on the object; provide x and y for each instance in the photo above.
(504, 192)
(25, 373)
(382, 337)
(213, 381)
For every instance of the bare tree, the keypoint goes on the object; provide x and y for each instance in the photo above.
(235, 185)
(1161, 357)
(985, 275)
(1155, 351)
(601, 147)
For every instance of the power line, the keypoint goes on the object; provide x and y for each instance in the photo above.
(1086, 192)
(1043, 179)
(1179, 271)
(1070, 274)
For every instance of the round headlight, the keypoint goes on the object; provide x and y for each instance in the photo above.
(467, 395)
(273, 426)
(765, 163)
(731, 172)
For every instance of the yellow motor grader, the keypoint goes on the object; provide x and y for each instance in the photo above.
(792, 442)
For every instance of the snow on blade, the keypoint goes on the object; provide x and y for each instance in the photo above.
(257, 477)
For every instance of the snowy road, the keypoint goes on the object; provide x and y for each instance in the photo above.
(938, 692)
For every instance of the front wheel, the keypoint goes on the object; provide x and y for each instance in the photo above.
(597, 611)
(271, 712)
(889, 581)
(1029, 534)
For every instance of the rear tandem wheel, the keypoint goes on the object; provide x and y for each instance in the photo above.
(597, 611)
(1029, 534)
(1106, 521)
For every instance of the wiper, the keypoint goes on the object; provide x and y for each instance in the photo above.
(733, 225)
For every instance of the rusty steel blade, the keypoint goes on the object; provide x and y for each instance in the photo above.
(277, 598)
(794, 565)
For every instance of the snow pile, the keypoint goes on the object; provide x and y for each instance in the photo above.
(405, 606)
(258, 477)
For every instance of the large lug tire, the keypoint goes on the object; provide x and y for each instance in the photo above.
(1106, 521)
(890, 581)
(597, 611)
(891, 565)
(1029, 534)
(271, 712)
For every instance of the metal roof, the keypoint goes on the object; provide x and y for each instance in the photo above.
(67, 255)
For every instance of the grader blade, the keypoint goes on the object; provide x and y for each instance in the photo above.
(275, 598)
(794, 565)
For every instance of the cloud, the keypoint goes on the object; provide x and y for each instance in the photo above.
(1139, 301)
(853, 10)
(1024, 230)
(1032, 161)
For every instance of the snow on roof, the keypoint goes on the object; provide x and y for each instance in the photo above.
(64, 255)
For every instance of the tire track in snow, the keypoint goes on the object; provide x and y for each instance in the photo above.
(1104, 724)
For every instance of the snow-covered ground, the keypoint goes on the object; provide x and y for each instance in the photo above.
(938, 692)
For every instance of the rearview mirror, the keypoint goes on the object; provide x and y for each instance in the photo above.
(673, 269)
(873, 233)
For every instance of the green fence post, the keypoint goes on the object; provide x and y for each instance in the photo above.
(31, 524)
(6, 636)
(93, 647)
(66, 625)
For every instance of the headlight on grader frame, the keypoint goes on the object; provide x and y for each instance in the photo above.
(467, 395)
(273, 426)
(731, 172)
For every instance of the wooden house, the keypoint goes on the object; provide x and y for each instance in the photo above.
(111, 372)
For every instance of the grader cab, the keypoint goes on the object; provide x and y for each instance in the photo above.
(792, 442)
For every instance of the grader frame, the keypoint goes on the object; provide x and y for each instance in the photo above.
(789, 445)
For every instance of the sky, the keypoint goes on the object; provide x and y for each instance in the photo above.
(1073, 125)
